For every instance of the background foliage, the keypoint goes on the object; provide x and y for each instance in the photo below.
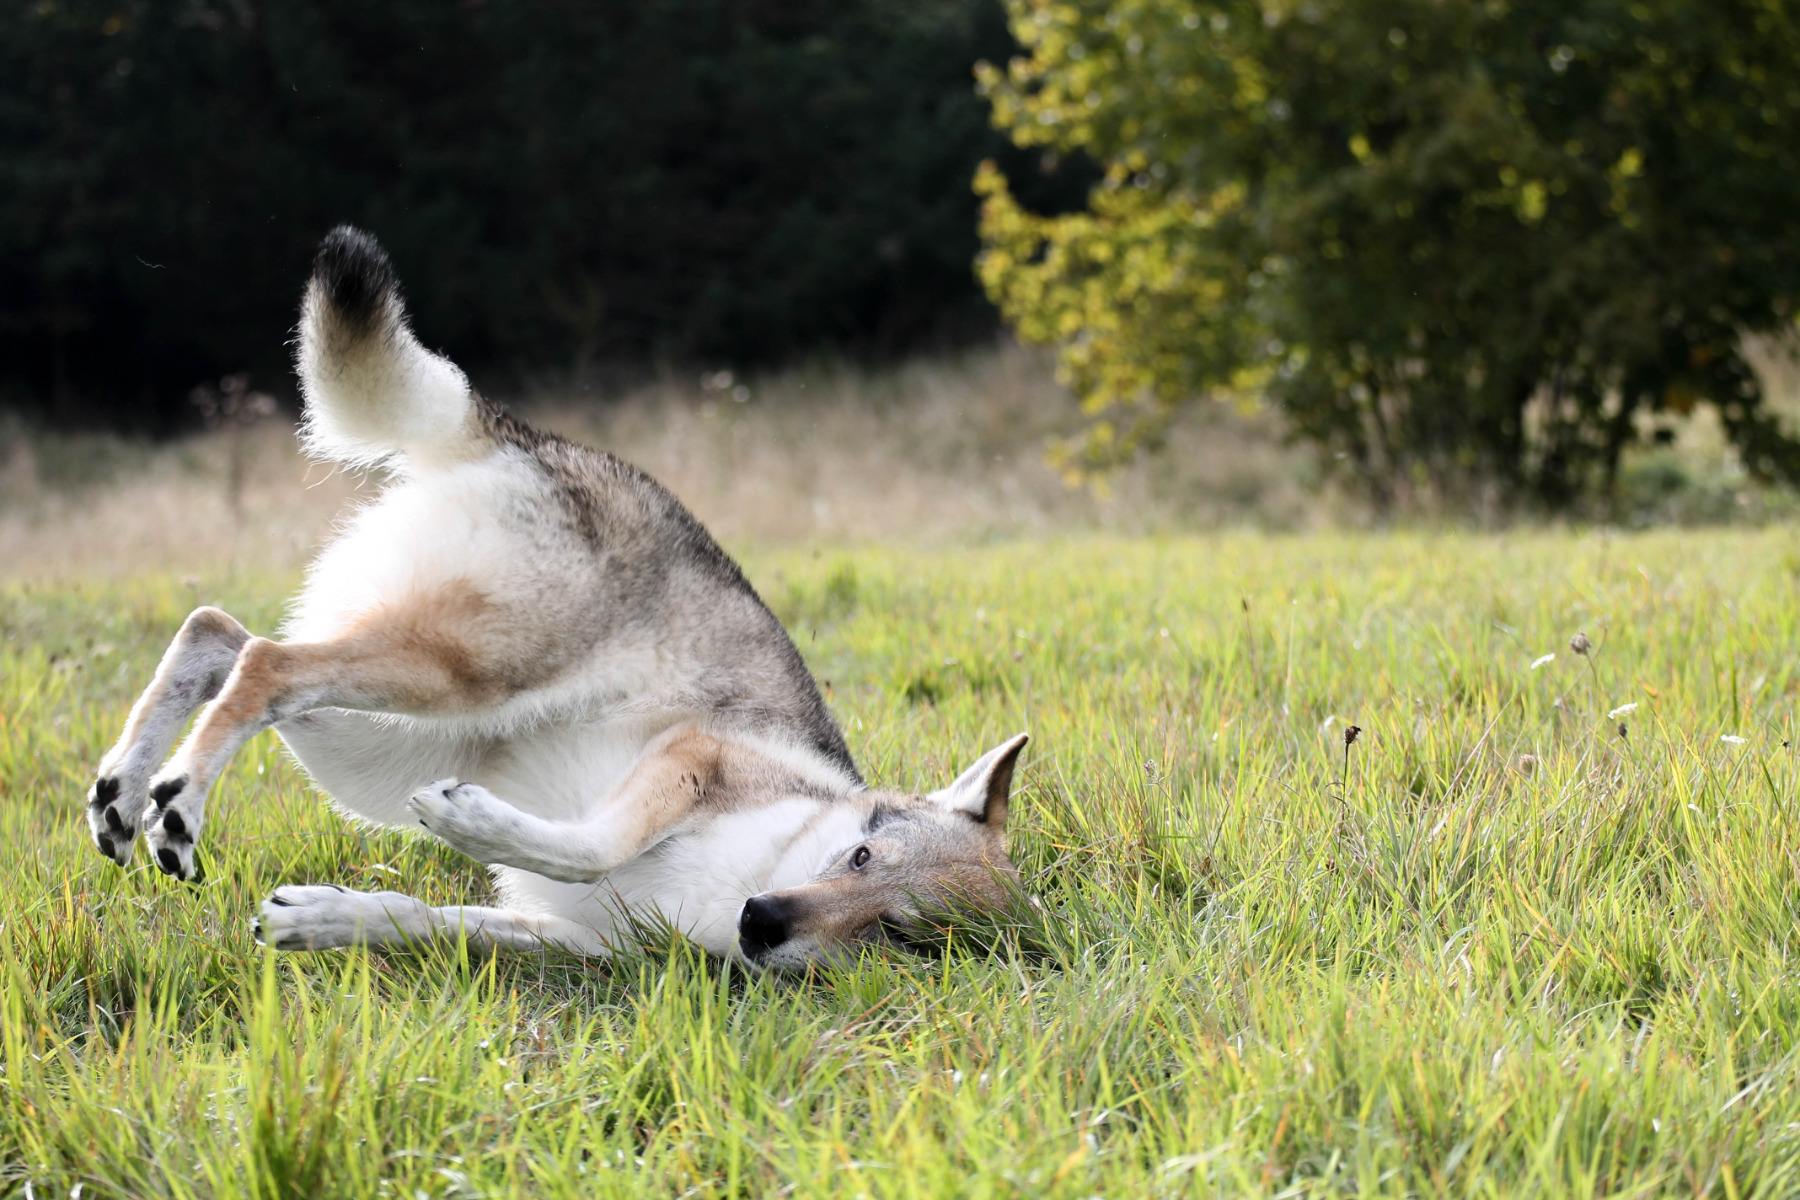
(734, 180)
(1458, 244)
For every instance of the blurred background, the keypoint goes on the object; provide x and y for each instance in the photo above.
(888, 268)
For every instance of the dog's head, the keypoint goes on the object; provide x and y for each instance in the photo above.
(914, 855)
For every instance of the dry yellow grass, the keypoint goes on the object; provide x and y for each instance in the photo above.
(948, 448)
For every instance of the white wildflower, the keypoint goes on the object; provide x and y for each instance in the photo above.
(1731, 739)
(1621, 711)
(1548, 658)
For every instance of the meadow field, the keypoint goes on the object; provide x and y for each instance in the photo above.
(1532, 934)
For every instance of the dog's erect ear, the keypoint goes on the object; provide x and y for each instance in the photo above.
(981, 791)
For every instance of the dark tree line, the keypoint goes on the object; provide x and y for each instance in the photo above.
(559, 182)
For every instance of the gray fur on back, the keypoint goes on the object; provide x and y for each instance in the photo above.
(659, 565)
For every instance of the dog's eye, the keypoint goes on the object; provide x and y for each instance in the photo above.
(860, 859)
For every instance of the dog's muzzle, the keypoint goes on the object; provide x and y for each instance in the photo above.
(763, 925)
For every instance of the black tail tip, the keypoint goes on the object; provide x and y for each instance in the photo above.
(354, 274)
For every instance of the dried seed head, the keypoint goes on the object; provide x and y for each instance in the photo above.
(1350, 736)
(1580, 644)
(1621, 731)
(1527, 763)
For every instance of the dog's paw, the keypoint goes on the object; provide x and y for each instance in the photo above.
(172, 825)
(112, 818)
(470, 818)
(314, 917)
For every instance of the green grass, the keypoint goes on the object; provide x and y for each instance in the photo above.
(1430, 966)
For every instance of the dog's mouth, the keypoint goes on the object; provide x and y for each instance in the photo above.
(768, 939)
(798, 954)
(909, 934)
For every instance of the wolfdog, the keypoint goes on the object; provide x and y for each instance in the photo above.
(535, 652)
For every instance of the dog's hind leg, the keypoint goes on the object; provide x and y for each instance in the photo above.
(446, 653)
(192, 671)
(323, 917)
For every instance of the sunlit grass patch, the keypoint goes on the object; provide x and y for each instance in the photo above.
(1500, 945)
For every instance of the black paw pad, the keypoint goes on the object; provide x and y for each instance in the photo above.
(167, 860)
(106, 790)
(113, 821)
(167, 790)
(173, 825)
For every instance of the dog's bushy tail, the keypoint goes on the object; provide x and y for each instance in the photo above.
(371, 389)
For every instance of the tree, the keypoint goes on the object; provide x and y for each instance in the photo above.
(1455, 243)
(732, 181)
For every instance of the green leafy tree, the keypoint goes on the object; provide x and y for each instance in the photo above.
(1459, 244)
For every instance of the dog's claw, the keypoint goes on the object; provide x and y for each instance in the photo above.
(114, 835)
(465, 816)
(315, 917)
(183, 866)
(172, 825)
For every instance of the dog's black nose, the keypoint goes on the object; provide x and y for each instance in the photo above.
(763, 925)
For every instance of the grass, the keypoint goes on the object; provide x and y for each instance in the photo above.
(1496, 947)
(932, 447)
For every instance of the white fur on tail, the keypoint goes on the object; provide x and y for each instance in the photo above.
(371, 389)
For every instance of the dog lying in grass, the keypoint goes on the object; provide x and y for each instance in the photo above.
(534, 651)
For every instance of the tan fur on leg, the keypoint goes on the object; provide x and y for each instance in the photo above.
(683, 773)
(445, 653)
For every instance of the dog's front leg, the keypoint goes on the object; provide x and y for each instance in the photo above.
(678, 772)
(497, 834)
(192, 671)
(324, 917)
